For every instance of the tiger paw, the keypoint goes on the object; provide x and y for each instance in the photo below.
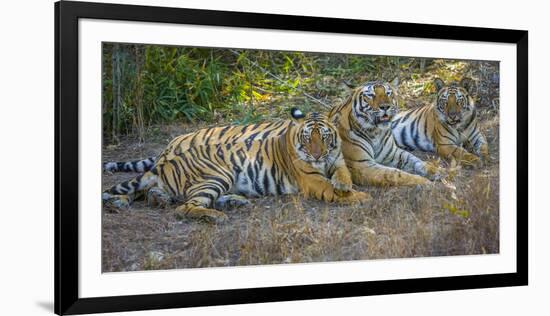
(484, 153)
(355, 197)
(215, 218)
(433, 171)
(341, 181)
(471, 161)
(200, 213)
(116, 202)
(486, 158)
(231, 201)
(158, 197)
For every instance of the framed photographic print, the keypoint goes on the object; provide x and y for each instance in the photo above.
(209, 158)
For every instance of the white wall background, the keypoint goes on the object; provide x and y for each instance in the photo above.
(26, 125)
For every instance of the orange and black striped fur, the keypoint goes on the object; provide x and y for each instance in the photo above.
(215, 167)
(445, 126)
(369, 149)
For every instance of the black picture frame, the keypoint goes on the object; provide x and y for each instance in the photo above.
(67, 15)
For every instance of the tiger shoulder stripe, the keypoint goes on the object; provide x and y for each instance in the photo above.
(369, 149)
(446, 127)
(304, 156)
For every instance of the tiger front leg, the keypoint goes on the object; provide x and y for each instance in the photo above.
(342, 185)
(371, 173)
(477, 143)
(341, 177)
(481, 148)
(402, 159)
(484, 152)
(450, 151)
(320, 188)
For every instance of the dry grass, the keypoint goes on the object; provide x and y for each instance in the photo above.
(457, 218)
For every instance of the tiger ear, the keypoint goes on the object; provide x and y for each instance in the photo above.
(468, 84)
(335, 120)
(395, 82)
(438, 84)
(297, 114)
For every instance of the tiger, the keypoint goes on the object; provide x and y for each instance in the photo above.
(141, 165)
(215, 167)
(371, 154)
(445, 127)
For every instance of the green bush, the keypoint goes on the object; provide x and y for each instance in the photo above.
(165, 84)
(146, 85)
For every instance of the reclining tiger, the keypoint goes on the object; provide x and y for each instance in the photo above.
(216, 167)
(445, 126)
(363, 122)
(371, 154)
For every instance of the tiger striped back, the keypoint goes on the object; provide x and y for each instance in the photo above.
(213, 135)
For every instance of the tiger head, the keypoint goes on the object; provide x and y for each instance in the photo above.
(454, 101)
(374, 104)
(316, 140)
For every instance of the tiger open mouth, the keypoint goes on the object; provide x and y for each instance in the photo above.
(383, 119)
(453, 122)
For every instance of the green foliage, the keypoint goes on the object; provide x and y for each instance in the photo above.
(147, 85)
(186, 84)
(177, 86)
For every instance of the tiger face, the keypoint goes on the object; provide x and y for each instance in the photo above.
(316, 140)
(375, 104)
(454, 101)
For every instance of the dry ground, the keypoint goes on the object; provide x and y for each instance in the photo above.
(459, 216)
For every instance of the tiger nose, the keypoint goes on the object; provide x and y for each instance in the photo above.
(315, 151)
(316, 154)
(384, 107)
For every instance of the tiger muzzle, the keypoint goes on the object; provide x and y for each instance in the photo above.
(454, 119)
(385, 116)
(316, 152)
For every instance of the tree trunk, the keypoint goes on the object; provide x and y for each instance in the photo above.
(117, 96)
